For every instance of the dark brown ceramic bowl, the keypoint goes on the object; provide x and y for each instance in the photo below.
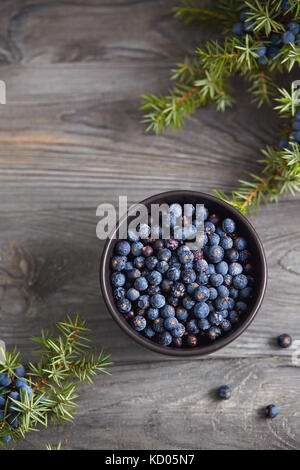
(244, 228)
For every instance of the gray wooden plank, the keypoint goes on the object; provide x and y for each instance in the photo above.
(174, 406)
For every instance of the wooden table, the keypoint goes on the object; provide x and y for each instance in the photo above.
(71, 138)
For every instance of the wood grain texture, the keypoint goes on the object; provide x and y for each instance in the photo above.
(71, 138)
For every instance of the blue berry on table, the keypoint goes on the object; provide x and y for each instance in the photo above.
(191, 340)
(188, 303)
(132, 235)
(20, 382)
(167, 311)
(181, 314)
(13, 419)
(273, 51)
(240, 243)
(233, 316)
(122, 248)
(225, 325)
(128, 266)
(189, 231)
(154, 278)
(170, 323)
(165, 338)
(284, 341)
(213, 239)
(152, 313)
(157, 301)
(222, 268)
(151, 262)
(210, 269)
(215, 318)
(173, 274)
(139, 262)
(214, 332)
(261, 50)
(225, 392)
(192, 326)
(271, 411)
(186, 257)
(174, 301)
(231, 303)
(179, 331)
(162, 267)
(227, 280)
(238, 29)
(240, 307)
(176, 209)
(166, 285)
(124, 305)
(204, 324)
(132, 294)
(201, 294)
(288, 37)
(221, 303)
(246, 293)
(235, 269)
(232, 255)
(178, 289)
(226, 242)
(244, 256)
(249, 25)
(240, 281)
(139, 323)
(158, 325)
(228, 225)
(149, 332)
(147, 251)
(164, 254)
(201, 265)
(223, 291)
(213, 293)
(233, 292)
(177, 342)
(209, 228)
(152, 290)
(275, 38)
(118, 279)
(143, 301)
(119, 293)
(188, 276)
(215, 254)
(248, 268)
(136, 248)
(202, 279)
(172, 244)
(144, 231)
(133, 274)
(141, 283)
(118, 263)
(174, 262)
(216, 280)
(190, 288)
(130, 315)
(201, 310)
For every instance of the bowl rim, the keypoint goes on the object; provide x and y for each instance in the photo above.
(222, 341)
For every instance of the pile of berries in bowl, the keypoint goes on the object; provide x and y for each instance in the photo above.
(178, 300)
